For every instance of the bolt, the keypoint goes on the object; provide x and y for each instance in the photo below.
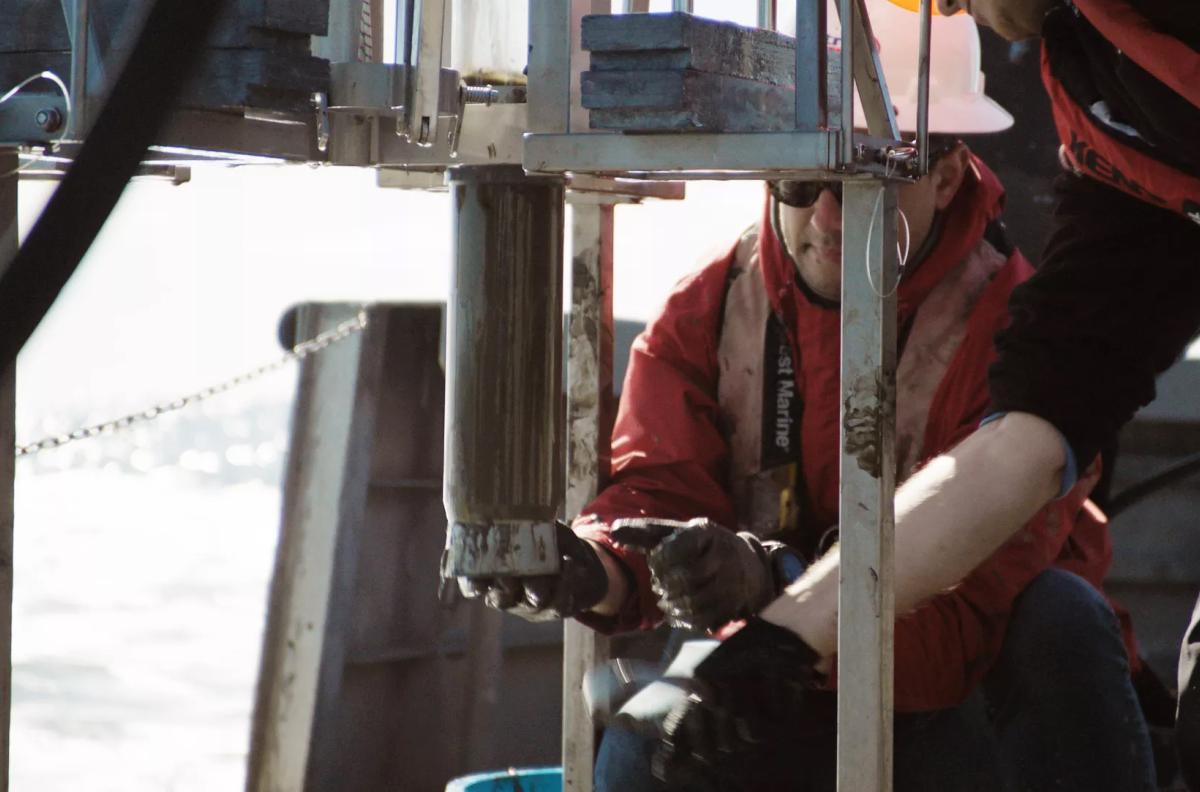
(49, 119)
(480, 94)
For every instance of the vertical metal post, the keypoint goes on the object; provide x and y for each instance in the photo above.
(79, 69)
(590, 411)
(8, 250)
(370, 32)
(811, 55)
(766, 14)
(429, 34)
(682, 5)
(923, 88)
(343, 40)
(549, 66)
(868, 470)
(580, 59)
(869, 77)
(402, 31)
(847, 9)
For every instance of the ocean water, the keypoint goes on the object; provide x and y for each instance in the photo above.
(141, 573)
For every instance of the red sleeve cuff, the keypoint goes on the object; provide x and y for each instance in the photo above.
(639, 612)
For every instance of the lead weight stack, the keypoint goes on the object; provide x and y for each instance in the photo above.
(504, 468)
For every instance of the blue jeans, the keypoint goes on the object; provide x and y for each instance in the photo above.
(1063, 703)
(1057, 712)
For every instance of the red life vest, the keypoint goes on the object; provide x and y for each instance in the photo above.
(1100, 151)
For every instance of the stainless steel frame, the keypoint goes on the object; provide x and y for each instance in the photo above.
(590, 412)
(868, 470)
(823, 145)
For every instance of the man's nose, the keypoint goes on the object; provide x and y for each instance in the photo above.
(827, 213)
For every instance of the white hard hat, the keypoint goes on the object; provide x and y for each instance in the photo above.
(957, 103)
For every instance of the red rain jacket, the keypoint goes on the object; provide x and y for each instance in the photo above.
(670, 459)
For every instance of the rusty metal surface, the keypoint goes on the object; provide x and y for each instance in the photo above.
(325, 492)
(589, 367)
(515, 547)
(413, 693)
(868, 482)
(503, 450)
(591, 407)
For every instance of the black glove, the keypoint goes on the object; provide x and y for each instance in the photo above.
(704, 575)
(579, 586)
(744, 711)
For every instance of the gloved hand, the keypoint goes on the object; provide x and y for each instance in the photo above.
(581, 583)
(704, 575)
(744, 711)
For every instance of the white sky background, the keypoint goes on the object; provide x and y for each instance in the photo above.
(185, 285)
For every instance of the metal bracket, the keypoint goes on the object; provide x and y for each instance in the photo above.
(423, 105)
(868, 76)
(32, 119)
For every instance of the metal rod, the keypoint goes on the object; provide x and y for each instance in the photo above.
(923, 88)
(868, 481)
(869, 77)
(406, 12)
(424, 82)
(682, 5)
(79, 69)
(549, 66)
(847, 10)
(811, 64)
(590, 410)
(766, 14)
(580, 60)
(686, 151)
(343, 41)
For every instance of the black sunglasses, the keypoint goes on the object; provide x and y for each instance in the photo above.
(802, 194)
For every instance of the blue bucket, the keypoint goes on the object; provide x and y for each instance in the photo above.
(539, 779)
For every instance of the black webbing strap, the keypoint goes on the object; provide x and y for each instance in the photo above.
(172, 37)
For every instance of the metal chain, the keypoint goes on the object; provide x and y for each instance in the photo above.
(298, 352)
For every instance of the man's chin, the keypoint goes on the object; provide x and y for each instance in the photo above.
(830, 256)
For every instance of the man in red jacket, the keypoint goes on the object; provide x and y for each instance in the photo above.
(1115, 301)
(730, 414)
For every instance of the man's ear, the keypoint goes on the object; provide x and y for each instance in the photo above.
(948, 174)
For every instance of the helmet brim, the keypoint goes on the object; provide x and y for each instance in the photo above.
(976, 114)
